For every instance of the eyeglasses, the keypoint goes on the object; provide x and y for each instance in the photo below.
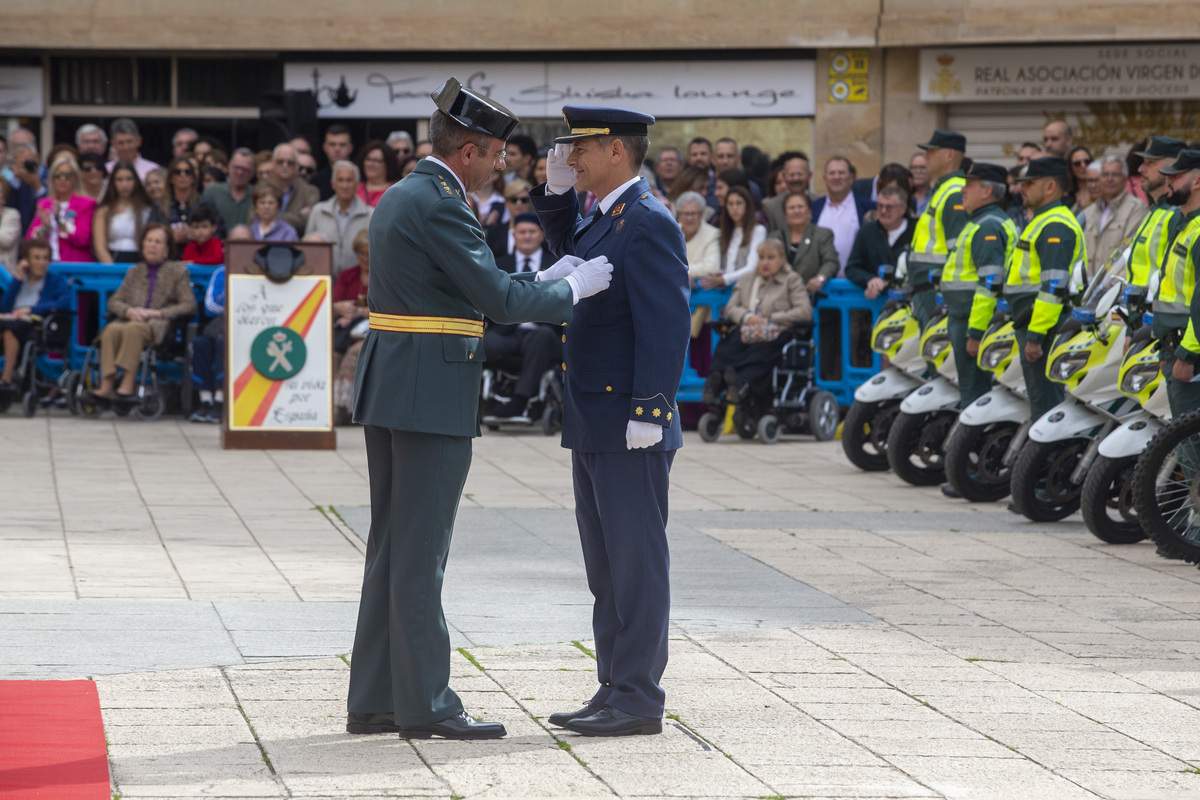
(1081, 162)
(499, 155)
(187, 172)
(89, 168)
(888, 206)
(64, 176)
(286, 162)
(305, 170)
(688, 214)
(524, 200)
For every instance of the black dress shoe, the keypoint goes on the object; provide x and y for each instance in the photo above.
(371, 723)
(563, 717)
(610, 721)
(951, 492)
(460, 726)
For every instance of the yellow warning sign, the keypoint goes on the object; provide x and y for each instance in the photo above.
(848, 71)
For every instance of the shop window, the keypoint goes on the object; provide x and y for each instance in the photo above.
(226, 81)
(116, 80)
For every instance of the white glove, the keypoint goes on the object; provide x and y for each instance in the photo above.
(561, 269)
(590, 277)
(642, 434)
(560, 178)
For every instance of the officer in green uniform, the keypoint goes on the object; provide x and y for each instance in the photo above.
(433, 278)
(1038, 274)
(1163, 223)
(1176, 304)
(941, 221)
(979, 253)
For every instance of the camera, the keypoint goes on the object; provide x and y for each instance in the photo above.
(30, 165)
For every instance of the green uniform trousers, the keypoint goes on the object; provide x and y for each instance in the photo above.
(923, 302)
(973, 382)
(1183, 397)
(401, 660)
(1044, 394)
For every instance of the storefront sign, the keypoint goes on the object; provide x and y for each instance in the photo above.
(280, 353)
(539, 90)
(21, 92)
(1085, 73)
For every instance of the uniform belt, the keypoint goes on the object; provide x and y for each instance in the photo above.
(397, 323)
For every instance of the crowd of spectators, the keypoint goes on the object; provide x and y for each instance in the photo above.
(96, 199)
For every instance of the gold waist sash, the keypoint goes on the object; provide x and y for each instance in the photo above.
(398, 323)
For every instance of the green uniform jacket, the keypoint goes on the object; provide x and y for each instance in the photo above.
(429, 258)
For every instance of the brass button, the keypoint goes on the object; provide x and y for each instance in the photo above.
(608, 388)
(564, 365)
(470, 355)
(564, 338)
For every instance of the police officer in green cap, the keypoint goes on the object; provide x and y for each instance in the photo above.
(1176, 303)
(1161, 225)
(941, 221)
(433, 278)
(1038, 274)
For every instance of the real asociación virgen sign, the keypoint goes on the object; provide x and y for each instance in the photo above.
(1113, 72)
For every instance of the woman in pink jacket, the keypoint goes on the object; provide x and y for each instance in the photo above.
(64, 217)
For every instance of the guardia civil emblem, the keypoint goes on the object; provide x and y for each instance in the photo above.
(278, 353)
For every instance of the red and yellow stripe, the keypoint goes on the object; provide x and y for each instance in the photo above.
(253, 393)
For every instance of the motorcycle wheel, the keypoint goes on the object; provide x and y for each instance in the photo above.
(975, 461)
(915, 447)
(1107, 501)
(1041, 479)
(865, 434)
(1165, 488)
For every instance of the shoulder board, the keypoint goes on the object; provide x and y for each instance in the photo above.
(990, 238)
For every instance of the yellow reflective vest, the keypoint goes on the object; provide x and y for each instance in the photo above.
(929, 245)
(1026, 277)
(1150, 243)
(1178, 274)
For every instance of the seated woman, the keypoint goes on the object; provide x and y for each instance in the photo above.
(35, 293)
(743, 360)
(153, 291)
(349, 310)
(265, 224)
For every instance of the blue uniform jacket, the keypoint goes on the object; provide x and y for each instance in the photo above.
(56, 294)
(625, 348)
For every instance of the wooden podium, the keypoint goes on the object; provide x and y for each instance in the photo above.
(278, 347)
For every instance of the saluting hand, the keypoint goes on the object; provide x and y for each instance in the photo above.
(560, 178)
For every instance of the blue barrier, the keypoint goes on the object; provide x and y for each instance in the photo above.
(91, 286)
(843, 321)
(842, 324)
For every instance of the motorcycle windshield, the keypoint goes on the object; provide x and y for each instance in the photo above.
(1108, 284)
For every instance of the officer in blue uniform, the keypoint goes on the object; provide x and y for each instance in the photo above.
(624, 352)
(433, 278)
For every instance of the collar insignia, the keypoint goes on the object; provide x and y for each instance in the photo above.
(616, 212)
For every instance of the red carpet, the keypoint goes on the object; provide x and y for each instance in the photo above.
(52, 741)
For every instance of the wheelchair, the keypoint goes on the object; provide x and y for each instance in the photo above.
(46, 349)
(149, 400)
(544, 409)
(793, 404)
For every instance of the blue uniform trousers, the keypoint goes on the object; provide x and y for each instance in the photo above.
(621, 508)
(401, 660)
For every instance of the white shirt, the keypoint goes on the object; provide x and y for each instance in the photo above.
(842, 219)
(612, 197)
(534, 261)
(732, 270)
(894, 235)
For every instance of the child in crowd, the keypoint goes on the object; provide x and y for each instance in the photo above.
(204, 248)
(266, 225)
(208, 351)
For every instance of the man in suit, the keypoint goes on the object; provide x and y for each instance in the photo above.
(840, 210)
(416, 390)
(796, 174)
(536, 344)
(624, 354)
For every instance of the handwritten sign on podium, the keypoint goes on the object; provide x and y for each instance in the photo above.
(278, 346)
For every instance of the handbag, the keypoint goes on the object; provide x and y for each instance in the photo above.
(755, 332)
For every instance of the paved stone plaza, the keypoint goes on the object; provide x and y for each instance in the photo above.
(836, 634)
